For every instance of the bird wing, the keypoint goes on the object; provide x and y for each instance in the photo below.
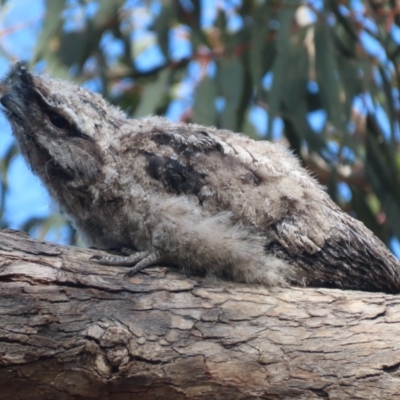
(261, 183)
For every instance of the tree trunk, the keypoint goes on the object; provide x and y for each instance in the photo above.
(72, 329)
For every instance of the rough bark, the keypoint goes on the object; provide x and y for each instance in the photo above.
(71, 329)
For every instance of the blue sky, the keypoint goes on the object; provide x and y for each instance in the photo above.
(27, 197)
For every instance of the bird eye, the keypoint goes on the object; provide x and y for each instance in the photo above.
(58, 121)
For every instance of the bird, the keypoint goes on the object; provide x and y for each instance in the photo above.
(208, 201)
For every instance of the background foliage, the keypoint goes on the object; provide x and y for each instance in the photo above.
(322, 75)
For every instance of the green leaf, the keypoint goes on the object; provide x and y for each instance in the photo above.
(262, 51)
(152, 95)
(280, 66)
(49, 39)
(230, 82)
(61, 49)
(333, 96)
(162, 25)
(389, 106)
(204, 102)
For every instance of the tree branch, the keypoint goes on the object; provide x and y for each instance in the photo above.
(74, 329)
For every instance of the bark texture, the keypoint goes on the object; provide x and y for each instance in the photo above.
(71, 329)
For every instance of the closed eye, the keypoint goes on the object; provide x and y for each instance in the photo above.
(57, 120)
(61, 123)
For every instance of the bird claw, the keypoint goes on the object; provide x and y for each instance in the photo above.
(137, 260)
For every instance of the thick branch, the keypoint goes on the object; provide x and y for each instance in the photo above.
(73, 329)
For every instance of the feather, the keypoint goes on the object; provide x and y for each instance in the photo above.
(206, 200)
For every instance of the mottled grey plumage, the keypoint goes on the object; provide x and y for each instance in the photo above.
(207, 200)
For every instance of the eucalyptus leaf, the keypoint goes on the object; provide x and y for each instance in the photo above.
(204, 102)
(152, 95)
(230, 79)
